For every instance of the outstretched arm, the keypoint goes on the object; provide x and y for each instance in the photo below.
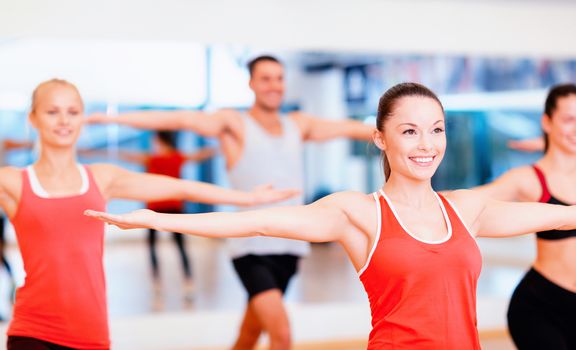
(529, 145)
(13, 144)
(295, 222)
(514, 185)
(116, 182)
(318, 129)
(208, 125)
(140, 158)
(487, 217)
(201, 155)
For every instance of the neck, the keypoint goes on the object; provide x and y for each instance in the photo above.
(56, 160)
(412, 193)
(264, 114)
(559, 160)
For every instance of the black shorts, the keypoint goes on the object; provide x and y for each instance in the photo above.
(260, 273)
(27, 343)
(542, 315)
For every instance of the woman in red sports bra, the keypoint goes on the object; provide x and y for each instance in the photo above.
(62, 304)
(542, 311)
(414, 249)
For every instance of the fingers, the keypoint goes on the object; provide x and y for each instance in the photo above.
(110, 218)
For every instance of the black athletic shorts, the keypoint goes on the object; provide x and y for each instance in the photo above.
(27, 343)
(260, 273)
(542, 315)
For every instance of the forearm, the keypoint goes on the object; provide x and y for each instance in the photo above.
(215, 225)
(153, 120)
(292, 222)
(323, 130)
(212, 194)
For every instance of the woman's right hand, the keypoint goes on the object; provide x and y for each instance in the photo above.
(142, 218)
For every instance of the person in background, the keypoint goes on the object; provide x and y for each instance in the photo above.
(166, 159)
(62, 304)
(542, 311)
(261, 145)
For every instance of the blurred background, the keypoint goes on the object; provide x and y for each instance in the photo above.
(491, 62)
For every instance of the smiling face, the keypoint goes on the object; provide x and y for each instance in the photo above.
(57, 113)
(410, 131)
(560, 126)
(267, 82)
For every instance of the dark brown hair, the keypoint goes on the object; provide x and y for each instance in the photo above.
(555, 93)
(264, 58)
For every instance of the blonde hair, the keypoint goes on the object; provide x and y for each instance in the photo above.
(49, 83)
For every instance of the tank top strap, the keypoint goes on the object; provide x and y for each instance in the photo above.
(545, 197)
(26, 182)
(91, 181)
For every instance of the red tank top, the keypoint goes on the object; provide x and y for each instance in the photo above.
(63, 299)
(422, 295)
(171, 165)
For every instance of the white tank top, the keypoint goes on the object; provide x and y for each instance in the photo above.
(275, 160)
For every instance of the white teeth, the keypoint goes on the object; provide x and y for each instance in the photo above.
(423, 159)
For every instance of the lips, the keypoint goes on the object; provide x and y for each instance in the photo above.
(63, 132)
(423, 160)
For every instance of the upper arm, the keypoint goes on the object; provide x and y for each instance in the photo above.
(10, 189)
(211, 124)
(518, 184)
(326, 220)
(349, 218)
(116, 182)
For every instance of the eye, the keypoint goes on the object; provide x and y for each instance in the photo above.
(438, 130)
(409, 132)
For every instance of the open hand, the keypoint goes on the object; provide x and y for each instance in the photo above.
(266, 194)
(141, 218)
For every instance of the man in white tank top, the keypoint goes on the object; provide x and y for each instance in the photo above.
(260, 147)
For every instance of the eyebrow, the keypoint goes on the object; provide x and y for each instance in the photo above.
(414, 125)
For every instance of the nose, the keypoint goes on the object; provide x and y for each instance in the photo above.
(63, 119)
(424, 142)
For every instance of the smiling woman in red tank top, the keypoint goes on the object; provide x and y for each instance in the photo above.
(414, 249)
(62, 304)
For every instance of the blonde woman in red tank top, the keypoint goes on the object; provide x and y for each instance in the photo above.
(414, 249)
(62, 304)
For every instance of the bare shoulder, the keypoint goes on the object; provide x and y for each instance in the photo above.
(358, 206)
(10, 178)
(228, 114)
(347, 198)
(468, 203)
(301, 117)
(104, 172)
(103, 168)
(517, 184)
(231, 118)
(463, 196)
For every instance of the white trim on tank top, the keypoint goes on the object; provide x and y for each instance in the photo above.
(446, 218)
(41, 192)
(460, 217)
(377, 236)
